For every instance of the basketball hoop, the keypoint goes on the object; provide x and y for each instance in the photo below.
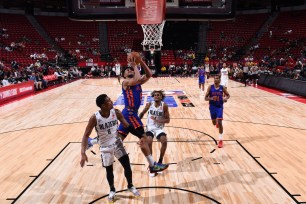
(153, 36)
(151, 15)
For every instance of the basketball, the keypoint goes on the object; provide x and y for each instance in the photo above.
(136, 55)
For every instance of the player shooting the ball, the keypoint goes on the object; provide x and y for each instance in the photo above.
(132, 94)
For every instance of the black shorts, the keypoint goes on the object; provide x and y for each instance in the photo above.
(151, 134)
(138, 132)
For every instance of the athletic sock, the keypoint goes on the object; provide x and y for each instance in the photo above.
(150, 160)
(221, 136)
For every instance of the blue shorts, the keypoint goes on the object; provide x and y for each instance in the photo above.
(202, 80)
(133, 119)
(216, 112)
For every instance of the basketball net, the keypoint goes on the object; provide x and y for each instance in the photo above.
(153, 34)
(151, 15)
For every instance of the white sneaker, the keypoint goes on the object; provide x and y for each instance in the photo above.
(134, 191)
(152, 174)
(111, 196)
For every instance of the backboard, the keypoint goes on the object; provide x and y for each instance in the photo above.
(176, 10)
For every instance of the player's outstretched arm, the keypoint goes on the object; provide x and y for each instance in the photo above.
(137, 77)
(147, 70)
(91, 124)
(207, 98)
(146, 108)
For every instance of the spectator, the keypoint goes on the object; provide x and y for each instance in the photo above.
(5, 81)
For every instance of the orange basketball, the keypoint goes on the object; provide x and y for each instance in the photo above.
(136, 55)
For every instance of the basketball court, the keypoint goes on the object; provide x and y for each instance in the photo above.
(261, 162)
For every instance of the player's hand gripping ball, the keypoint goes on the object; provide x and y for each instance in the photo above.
(134, 57)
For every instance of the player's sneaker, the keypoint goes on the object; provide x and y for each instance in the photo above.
(111, 196)
(220, 144)
(158, 167)
(152, 174)
(134, 191)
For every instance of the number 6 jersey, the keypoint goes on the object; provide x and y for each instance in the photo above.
(107, 128)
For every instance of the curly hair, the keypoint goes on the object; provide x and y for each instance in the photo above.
(159, 91)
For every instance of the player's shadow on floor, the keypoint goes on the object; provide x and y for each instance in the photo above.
(256, 138)
(161, 198)
(38, 191)
(233, 176)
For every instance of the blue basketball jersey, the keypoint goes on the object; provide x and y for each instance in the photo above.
(201, 73)
(218, 96)
(132, 97)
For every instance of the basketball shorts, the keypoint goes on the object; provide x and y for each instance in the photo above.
(108, 153)
(118, 73)
(155, 132)
(224, 82)
(202, 80)
(133, 119)
(216, 112)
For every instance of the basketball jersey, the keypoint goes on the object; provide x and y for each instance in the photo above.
(107, 128)
(132, 97)
(224, 73)
(218, 94)
(156, 112)
(207, 68)
(201, 73)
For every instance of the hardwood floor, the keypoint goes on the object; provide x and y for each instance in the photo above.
(265, 138)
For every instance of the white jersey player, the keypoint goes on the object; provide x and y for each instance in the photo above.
(105, 121)
(158, 115)
(118, 70)
(224, 75)
(207, 70)
(155, 113)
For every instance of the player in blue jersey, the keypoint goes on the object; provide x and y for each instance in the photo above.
(201, 75)
(132, 94)
(214, 95)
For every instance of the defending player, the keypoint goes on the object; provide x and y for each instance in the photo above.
(105, 121)
(158, 115)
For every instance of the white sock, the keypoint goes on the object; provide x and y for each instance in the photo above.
(150, 160)
(220, 136)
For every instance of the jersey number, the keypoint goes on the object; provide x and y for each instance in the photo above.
(109, 131)
(216, 98)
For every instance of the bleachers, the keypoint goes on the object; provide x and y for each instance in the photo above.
(124, 35)
(84, 36)
(20, 29)
(278, 43)
(77, 35)
(234, 34)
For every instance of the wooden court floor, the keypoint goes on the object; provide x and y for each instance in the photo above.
(263, 159)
